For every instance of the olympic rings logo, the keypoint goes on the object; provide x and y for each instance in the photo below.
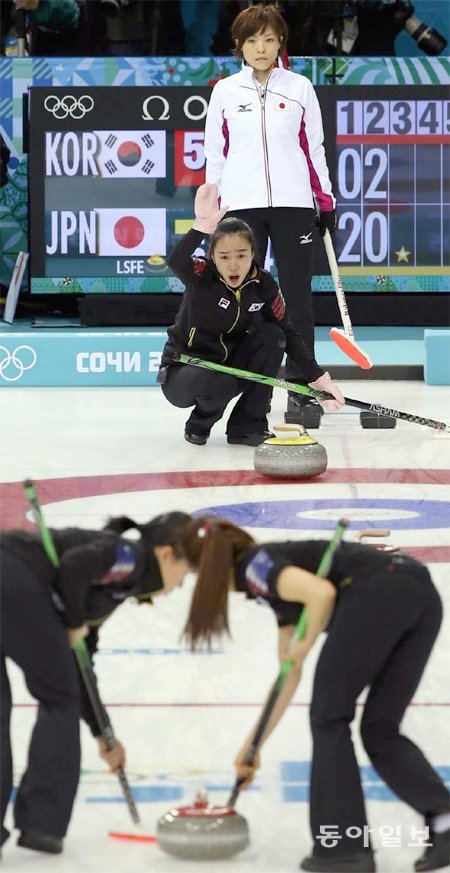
(76, 107)
(16, 361)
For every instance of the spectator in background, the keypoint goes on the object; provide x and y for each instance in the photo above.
(52, 27)
(200, 21)
(222, 44)
(132, 28)
(364, 28)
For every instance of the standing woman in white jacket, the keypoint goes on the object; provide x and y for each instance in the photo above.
(264, 150)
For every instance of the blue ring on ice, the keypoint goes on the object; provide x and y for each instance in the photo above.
(417, 514)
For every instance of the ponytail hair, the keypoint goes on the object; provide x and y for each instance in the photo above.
(212, 546)
(120, 523)
(164, 530)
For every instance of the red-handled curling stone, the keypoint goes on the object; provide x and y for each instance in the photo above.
(202, 831)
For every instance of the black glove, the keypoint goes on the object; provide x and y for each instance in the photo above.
(326, 221)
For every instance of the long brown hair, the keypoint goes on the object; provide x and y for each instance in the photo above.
(211, 545)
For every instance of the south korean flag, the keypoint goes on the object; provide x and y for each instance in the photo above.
(132, 154)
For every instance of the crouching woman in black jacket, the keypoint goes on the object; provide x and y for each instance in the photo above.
(98, 571)
(232, 313)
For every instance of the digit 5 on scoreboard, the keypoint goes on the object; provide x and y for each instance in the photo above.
(189, 157)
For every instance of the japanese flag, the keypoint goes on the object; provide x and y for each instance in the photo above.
(132, 154)
(131, 232)
(282, 105)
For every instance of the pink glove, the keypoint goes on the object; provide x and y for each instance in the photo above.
(324, 383)
(207, 212)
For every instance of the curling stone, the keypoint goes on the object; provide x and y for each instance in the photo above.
(295, 457)
(202, 832)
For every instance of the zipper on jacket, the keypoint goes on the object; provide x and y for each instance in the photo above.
(191, 336)
(224, 346)
(262, 99)
(237, 294)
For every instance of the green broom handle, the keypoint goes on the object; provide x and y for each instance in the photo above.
(81, 652)
(300, 630)
(311, 392)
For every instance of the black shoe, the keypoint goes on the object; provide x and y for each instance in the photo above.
(41, 842)
(437, 855)
(360, 862)
(196, 438)
(249, 439)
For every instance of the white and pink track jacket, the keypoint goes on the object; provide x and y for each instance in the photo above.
(264, 144)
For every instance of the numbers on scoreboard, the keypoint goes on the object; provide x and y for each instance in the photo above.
(189, 157)
(194, 151)
(393, 117)
(366, 241)
(357, 170)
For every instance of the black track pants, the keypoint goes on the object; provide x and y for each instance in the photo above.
(290, 232)
(33, 636)
(260, 351)
(382, 633)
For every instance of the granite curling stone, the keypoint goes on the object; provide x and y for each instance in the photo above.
(202, 832)
(299, 457)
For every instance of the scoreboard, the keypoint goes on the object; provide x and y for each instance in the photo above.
(113, 174)
(114, 170)
(391, 178)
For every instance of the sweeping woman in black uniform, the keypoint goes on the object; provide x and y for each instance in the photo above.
(382, 615)
(98, 571)
(232, 313)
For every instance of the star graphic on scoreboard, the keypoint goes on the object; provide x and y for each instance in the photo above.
(402, 255)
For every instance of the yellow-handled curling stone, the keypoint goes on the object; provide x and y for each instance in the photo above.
(296, 457)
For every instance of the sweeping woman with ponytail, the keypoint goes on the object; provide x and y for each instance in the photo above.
(382, 614)
(98, 571)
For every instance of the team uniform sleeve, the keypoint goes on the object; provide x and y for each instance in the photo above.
(261, 576)
(311, 141)
(275, 310)
(216, 139)
(180, 259)
(79, 566)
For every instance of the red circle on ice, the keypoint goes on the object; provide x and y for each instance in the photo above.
(282, 105)
(129, 231)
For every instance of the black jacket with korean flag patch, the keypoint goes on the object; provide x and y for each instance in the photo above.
(213, 317)
(98, 571)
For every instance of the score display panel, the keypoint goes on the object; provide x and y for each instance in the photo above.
(390, 153)
(113, 174)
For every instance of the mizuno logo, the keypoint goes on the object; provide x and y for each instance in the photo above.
(305, 238)
(245, 107)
